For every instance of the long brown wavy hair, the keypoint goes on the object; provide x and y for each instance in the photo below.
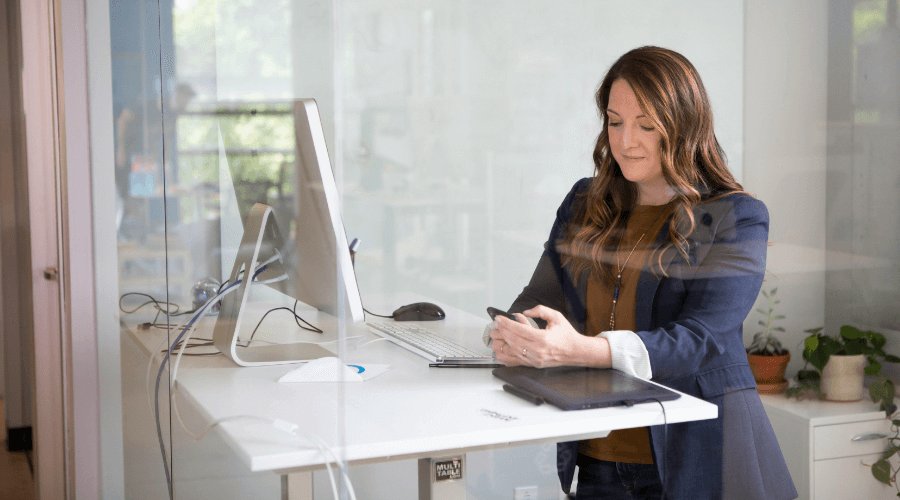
(671, 94)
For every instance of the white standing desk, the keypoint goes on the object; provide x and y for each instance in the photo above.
(411, 411)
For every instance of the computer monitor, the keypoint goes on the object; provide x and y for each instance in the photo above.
(314, 269)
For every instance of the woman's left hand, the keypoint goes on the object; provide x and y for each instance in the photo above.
(559, 344)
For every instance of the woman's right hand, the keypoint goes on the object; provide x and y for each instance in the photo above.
(559, 344)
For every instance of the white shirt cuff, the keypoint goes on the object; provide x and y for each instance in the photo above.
(629, 354)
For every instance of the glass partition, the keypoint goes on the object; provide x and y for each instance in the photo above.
(205, 107)
(454, 131)
(146, 258)
(464, 125)
(862, 184)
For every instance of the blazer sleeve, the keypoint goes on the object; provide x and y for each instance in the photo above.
(720, 290)
(547, 283)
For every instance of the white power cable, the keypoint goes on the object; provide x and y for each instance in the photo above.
(323, 447)
(193, 321)
(357, 346)
(289, 428)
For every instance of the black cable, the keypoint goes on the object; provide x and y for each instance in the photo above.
(373, 314)
(156, 305)
(296, 318)
(202, 343)
(152, 300)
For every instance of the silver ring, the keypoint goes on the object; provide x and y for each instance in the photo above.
(524, 352)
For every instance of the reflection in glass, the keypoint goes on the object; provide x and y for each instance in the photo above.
(863, 277)
(455, 131)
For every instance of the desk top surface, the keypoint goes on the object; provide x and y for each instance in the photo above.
(410, 411)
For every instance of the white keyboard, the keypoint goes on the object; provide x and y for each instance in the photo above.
(427, 343)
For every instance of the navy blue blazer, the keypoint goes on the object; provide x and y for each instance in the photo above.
(691, 322)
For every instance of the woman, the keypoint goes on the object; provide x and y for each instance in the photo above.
(651, 268)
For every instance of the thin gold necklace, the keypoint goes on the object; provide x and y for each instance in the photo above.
(621, 268)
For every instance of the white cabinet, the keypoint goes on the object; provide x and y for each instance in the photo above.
(829, 446)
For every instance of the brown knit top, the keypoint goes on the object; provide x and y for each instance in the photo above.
(624, 445)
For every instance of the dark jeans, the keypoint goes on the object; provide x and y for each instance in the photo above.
(599, 479)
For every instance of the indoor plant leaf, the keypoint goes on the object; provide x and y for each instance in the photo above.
(890, 452)
(812, 343)
(819, 358)
(830, 346)
(850, 333)
(882, 471)
(876, 391)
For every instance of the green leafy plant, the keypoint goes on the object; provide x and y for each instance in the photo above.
(807, 380)
(764, 342)
(818, 349)
(882, 469)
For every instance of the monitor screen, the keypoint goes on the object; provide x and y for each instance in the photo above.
(312, 264)
(321, 255)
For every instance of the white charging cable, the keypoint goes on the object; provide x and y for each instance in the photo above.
(290, 428)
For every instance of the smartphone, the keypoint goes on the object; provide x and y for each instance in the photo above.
(493, 312)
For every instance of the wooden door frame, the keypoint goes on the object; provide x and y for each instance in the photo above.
(67, 99)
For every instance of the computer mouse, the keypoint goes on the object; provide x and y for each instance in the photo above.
(420, 311)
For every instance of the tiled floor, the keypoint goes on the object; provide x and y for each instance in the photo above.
(15, 474)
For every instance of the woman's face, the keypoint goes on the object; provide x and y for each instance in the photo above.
(635, 142)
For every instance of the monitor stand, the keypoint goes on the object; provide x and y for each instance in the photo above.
(262, 242)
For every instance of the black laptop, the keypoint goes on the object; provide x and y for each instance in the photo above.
(580, 388)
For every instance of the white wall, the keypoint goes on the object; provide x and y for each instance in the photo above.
(477, 118)
(785, 49)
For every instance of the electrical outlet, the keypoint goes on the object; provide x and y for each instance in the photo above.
(525, 493)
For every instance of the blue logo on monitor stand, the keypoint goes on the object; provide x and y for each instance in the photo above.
(359, 369)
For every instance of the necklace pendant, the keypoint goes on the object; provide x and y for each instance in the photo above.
(612, 314)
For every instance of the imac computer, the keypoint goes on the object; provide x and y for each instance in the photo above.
(315, 268)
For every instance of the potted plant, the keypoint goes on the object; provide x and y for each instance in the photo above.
(822, 350)
(768, 360)
(841, 363)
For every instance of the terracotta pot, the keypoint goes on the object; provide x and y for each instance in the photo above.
(768, 369)
(842, 378)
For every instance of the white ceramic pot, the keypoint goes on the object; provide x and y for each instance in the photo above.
(842, 378)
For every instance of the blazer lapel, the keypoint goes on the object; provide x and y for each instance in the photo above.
(650, 279)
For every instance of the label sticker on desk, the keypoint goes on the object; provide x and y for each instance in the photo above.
(450, 469)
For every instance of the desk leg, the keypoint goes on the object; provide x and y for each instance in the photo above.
(297, 486)
(442, 478)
